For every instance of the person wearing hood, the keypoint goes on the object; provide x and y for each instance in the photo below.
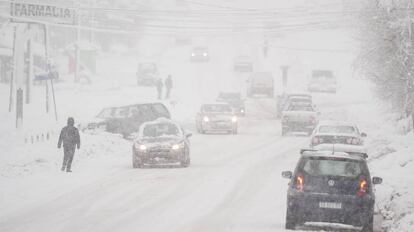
(69, 137)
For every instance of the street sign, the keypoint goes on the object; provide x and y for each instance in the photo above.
(24, 12)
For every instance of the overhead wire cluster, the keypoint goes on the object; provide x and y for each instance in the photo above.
(199, 18)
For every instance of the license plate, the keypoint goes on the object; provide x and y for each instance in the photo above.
(330, 205)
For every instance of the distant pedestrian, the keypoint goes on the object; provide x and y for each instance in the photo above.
(168, 86)
(70, 138)
(159, 86)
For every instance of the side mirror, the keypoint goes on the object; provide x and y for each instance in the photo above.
(287, 174)
(188, 135)
(376, 180)
(364, 135)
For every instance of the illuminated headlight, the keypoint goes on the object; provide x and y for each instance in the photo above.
(205, 54)
(242, 110)
(206, 119)
(177, 146)
(192, 54)
(234, 119)
(142, 147)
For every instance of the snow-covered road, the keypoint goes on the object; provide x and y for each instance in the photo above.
(233, 183)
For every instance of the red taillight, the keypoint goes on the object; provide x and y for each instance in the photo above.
(353, 141)
(312, 120)
(362, 187)
(299, 181)
(316, 140)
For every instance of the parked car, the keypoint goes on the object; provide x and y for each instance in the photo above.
(216, 117)
(147, 74)
(260, 83)
(286, 99)
(200, 54)
(161, 142)
(331, 187)
(299, 117)
(322, 81)
(234, 99)
(336, 133)
(243, 64)
(126, 120)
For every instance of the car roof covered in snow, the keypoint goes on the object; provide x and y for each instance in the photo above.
(348, 148)
(335, 123)
(331, 154)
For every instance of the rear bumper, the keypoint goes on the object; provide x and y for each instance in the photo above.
(219, 126)
(298, 126)
(354, 210)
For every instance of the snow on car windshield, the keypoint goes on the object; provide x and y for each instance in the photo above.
(337, 129)
(332, 167)
(217, 108)
(160, 129)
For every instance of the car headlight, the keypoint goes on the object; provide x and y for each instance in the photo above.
(142, 147)
(177, 146)
(242, 110)
(234, 119)
(206, 119)
(192, 54)
(205, 54)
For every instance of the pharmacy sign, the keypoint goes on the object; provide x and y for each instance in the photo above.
(24, 12)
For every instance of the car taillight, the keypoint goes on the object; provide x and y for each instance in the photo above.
(299, 181)
(362, 187)
(312, 120)
(353, 141)
(316, 140)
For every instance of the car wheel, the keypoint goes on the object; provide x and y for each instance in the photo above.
(290, 222)
(234, 131)
(369, 226)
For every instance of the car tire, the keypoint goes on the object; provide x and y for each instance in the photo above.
(369, 226)
(234, 131)
(290, 222)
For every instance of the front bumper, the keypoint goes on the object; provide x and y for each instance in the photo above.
(355, 211)
(161, 156)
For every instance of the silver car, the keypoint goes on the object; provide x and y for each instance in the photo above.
(216, 117)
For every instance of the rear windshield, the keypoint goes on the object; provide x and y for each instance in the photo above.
(337, 129)
(332, 167)
(217, 108)
(300, 107)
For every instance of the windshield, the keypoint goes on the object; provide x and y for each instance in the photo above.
(160, 130)
(217, 108)
(332, 167)
(337, 129)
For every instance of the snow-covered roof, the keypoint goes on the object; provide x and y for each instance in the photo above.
(336, 154)
(341, 148)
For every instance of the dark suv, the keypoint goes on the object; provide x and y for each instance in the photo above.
(331, 187)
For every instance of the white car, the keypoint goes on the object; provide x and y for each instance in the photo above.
(338, 134)
(161, 142)
(216, 117)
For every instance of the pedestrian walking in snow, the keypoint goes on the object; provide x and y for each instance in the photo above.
(69, 137)
(159, 86)
(168, 86)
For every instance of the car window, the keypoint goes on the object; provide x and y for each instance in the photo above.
(217, 108)
(121, 112)
(160, 111)
(105, 113)
(337, 129)
(161, 129)
(332, 167)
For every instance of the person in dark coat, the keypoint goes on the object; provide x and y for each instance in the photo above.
(168, 86)
(70, 138)
(159, 86)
